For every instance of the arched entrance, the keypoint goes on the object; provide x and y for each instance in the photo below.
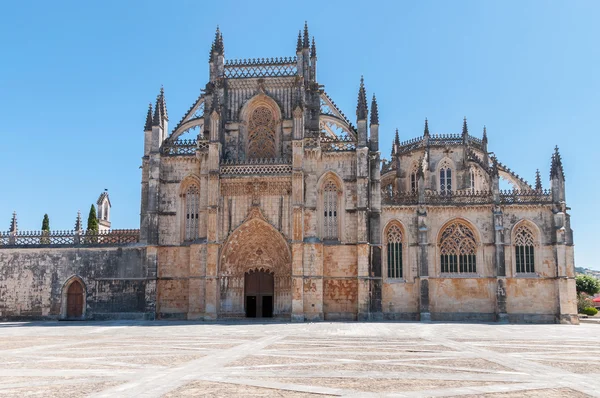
(258, 293)
(255, 271)
(75, 300)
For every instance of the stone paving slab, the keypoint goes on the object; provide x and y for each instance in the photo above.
(185, 359)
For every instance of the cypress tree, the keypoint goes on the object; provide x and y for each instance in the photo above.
(44, 240)
(46, 223)
(92, 226)
(92, 223)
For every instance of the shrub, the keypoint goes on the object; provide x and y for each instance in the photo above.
(591, 311)
(583, 301)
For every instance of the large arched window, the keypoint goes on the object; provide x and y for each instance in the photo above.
(330, 210)
(261, 134)
(192, 202)
(445, 177)
(458, 249)
(524, 249)
(394, 252)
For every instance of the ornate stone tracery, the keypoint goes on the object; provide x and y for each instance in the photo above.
(524, 242)
(261, 134)
(458, 248)
(394, 251)
(254, 245)
(330, 204)
(192, 205)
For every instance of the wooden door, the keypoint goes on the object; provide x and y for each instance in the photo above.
(75, 300)
(259, 289)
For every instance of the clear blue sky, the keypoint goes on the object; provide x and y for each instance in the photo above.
(76, 78)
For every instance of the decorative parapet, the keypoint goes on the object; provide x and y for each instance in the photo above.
(183, 147)
(329, 144)
(180, 147)
(260, 67)
(115, 237)
(445, 139)
(399, 198)
(467, 198)
(526, 197)
(257, 166)
(439, 140)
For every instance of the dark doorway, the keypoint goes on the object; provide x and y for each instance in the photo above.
(259, 289)
(251, 306)
(75, 300)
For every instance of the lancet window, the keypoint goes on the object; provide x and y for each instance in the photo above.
(414, 179)
(458, 249)
(472, 179)
(192, 202)
(445, 177)
(330, 210)
(394, 252)
(261, 134)
(524, 249)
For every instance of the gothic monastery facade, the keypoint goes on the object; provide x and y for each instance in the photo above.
(265, 200)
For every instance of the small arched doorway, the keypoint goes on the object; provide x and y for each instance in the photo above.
(258, 292)
(75, 300)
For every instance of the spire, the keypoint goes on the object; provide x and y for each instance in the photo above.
(163, 104)
(218, 43)
(374, 111)
(426, 131)
(160, 109)
(465, 130)
(78, 223)
(397, 139)
(556, 169)
(538, 180)
(148, 125)
(305, 42)
(157, 119)
(13, 222)
(299, 43)
(361, 108)
(484, 139)
(313, 49)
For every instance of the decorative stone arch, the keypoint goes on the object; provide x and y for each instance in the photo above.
(255, 244)
(191, 184)
(445, 162)
(482, 182)
(475, 236)
(65, 296)
(536, 240)
(255, 107)
(414, 169)
(396, 225)
(322, 186)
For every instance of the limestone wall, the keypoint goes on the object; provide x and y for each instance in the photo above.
(32, 282)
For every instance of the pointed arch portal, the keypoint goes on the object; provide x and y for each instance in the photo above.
(255, 271)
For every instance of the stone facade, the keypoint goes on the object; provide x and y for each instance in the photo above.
(265, 176)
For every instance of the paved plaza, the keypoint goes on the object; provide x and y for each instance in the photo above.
(185, 359)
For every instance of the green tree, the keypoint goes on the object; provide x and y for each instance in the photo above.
(46, 223)
(587, 284)
(92, 223)
(92, 226)
(44, 240)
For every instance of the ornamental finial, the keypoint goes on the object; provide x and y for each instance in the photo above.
(361, 107)
(374, 111)
(148, 125)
